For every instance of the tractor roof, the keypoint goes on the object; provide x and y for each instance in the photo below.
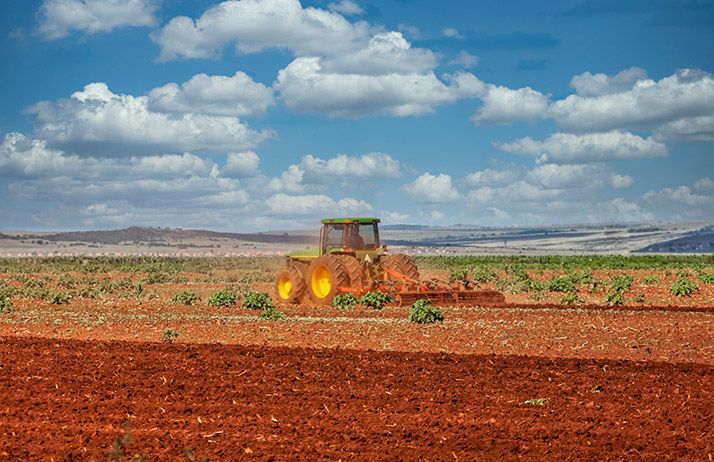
(360, 220)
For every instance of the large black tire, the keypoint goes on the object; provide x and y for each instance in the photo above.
(401, 263)
(354, 270)
(290, 286)
(326, 275)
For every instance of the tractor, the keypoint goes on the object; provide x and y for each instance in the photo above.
(350, 258)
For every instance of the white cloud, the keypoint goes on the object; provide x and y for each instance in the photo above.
(307, 87)
(648, 104)
(237, 95)
(620, 181)
(346, 7)
(704, 184)
(491, 176)
(394, 217)
(588, 84)
(313, 204)
(432, 189)
(591, 147)
(554, 176)
(451, 32)
(241, 164)
(365, 167)
(465, 59)
(255, 25)
(687, 129)
(57, 18)
(98, 122)
(385, 53)
(290, 180)
(681, 195)
(621, 211)
(504, 105)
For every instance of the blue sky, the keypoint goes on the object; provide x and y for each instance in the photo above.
(269, 114)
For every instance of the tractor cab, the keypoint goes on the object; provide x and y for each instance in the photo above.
(355, 236)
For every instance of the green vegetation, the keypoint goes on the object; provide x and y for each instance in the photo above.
(346, 301)
(169, 335)
(423, 312)
(536, 401)
(5, 305)
(683, 287)
(223, 297)
(257, 301)
(570, 298)
(272, 314)
(650, 280)
(459, 275)
(375, 299)
(59, 298)
(706, 278)
(186, 297)
(562, 284)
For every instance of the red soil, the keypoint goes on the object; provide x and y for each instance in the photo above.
(68, 400)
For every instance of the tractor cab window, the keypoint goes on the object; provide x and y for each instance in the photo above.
(335, 236)
(367, 234)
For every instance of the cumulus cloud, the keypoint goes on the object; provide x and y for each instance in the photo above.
(490, 176)
(648, 104)
(255, 25)
(241, 164)
(307, 87)
(502, 105)
(621, 211)
(588, 84)
(433, 189)
(451, 32)
(365, 167)
(555, 176)
(96, 121)
(313, 204)
(590, 147)
(464, 59)
(57, 18)
(237, 95)
(683, 195)
(346, 7)
(687, 129)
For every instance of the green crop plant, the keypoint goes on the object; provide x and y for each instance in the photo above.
(706, 278)
(570, 298)
(561, 284)
(59, 298)
(186, 297)
(6, 290)
(223, 297)
(483, 274)
(169, 335)
(346, 301)
(650, 280)
(621, 283)
(536, 401)
(5, 305)
(423, 312)
(272, 314)
(615, 297)
(257, 301)
(460, 275)
(375, 299)
(683, 287)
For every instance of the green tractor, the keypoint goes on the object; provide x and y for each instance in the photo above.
(351, 258)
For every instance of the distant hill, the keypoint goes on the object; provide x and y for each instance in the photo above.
(701, 241)
(160, 235)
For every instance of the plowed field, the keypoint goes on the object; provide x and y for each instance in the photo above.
(69, 400)
(89, 372)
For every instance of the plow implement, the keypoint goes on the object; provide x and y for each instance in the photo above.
(406, 291)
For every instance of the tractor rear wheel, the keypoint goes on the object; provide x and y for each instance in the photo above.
(354, 270)
(326, 275)
(290, 285)
(401, 263)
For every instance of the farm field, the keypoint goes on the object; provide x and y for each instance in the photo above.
(590, 357)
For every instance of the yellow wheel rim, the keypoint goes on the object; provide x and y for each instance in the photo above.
(321, 285)
(285, 287)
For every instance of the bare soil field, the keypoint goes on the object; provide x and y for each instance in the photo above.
(70, 400)
(100, 360)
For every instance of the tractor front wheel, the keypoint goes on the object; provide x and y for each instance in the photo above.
(325, 277)
(289, 285)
